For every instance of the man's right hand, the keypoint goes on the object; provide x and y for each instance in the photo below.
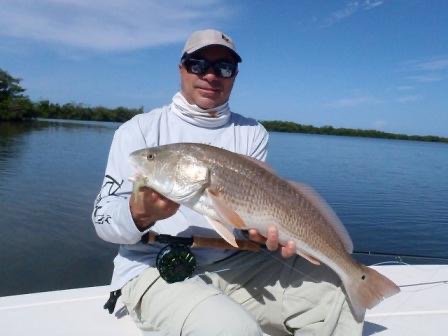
(148, 206)
(271, 242)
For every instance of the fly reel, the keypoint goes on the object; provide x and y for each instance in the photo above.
(175, 262)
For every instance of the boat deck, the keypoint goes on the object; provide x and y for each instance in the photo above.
(421, 308)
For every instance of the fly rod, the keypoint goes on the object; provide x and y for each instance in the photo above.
(248, 245)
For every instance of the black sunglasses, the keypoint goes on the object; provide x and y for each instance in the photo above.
(221, 68)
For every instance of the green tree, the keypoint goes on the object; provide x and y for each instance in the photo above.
(9, 86)
(14, 105)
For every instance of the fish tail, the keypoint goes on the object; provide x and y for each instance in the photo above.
(368, 289)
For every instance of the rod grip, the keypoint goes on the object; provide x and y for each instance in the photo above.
(246, 245)
(243, 244)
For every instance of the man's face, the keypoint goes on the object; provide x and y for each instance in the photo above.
(207, 91)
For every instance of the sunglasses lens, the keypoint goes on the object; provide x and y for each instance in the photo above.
(224, 69)
(197, 67)
(200, 67)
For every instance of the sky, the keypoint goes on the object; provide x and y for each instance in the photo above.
(369, 64)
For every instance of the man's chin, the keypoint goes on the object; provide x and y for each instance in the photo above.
(207, 102)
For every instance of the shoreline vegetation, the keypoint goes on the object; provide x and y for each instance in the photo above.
(292, 127)
(15, 106)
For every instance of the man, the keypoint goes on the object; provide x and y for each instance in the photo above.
(230, 293)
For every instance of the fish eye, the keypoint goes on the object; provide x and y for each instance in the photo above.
(150, 156)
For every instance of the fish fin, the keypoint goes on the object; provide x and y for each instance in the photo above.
(224, 211)
(308, 257)
(369, 290)
(259, 163)
(224, 232)
(138, 182)
(311, 195)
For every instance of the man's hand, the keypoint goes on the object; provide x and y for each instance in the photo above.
(272, 242)
(148, 206)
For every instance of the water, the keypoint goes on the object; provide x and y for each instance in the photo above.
(391, 195)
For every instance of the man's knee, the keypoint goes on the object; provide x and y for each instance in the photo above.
(220, 315)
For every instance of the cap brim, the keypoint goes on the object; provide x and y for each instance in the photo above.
(194, 50)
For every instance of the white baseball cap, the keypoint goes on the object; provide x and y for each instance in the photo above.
(209, 37)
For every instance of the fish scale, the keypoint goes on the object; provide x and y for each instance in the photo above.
(260, 200)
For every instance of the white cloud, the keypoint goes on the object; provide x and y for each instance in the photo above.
(341, 14)
(427, 71)
(433, 65)
(369, 4)
(108, 24)
(409, 99)
(426, 78)
(405, 88)
(351, 8)
(353, 101)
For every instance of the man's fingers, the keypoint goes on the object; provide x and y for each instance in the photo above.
(289, 250)
(272, 241)
(256, 237)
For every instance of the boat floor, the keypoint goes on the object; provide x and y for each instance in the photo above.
(421, 308)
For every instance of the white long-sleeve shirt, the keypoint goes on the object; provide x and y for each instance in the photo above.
(112, 217)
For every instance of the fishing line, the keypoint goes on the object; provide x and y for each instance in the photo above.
(399, 256)
(435, 283)
(291, 267)
(141, 132)
(274, 256)
(391, 262)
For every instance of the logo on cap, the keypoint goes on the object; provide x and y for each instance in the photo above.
(225, 38)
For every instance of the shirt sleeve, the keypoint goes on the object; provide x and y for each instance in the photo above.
(259, 148)
(111, 214)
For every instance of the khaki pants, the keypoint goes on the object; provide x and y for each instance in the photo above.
(246, 294)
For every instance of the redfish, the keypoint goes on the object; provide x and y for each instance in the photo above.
(230, 189)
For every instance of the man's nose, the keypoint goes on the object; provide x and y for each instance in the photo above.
(210, 74)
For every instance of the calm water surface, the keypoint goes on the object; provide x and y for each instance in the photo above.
(391, 195)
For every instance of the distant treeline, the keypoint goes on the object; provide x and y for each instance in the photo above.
(45, 109)
(14, 105)
(291, 127)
